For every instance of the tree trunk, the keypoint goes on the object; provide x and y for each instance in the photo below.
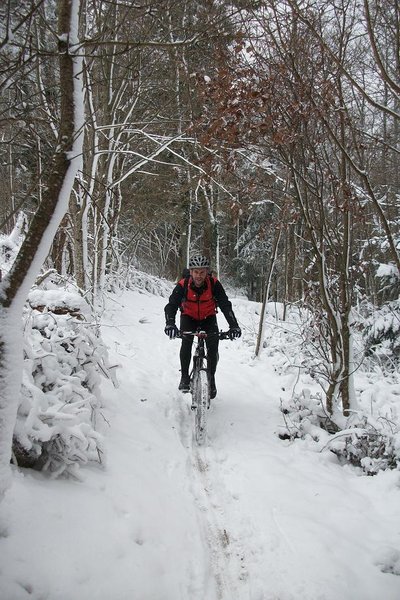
(36, 246)
(260, 338)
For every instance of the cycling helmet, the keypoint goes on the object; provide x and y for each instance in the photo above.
(199, 262)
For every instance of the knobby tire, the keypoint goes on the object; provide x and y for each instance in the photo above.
(201, 397)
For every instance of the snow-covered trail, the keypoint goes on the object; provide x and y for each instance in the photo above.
(247, 517)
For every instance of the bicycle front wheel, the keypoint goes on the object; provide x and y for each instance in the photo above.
(201, 396)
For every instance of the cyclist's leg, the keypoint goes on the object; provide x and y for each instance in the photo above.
(211, 326)
(187, 324)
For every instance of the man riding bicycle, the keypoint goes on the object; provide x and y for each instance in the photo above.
(198, 296)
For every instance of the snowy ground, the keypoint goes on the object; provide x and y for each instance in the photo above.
(248, 517)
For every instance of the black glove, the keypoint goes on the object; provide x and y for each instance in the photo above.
(171, 331)
(234, 332)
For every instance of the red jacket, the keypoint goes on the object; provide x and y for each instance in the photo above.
(198, 306)
(202, 306)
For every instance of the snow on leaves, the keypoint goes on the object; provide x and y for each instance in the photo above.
(56, 428)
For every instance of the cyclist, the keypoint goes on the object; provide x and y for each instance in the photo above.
(198, 296)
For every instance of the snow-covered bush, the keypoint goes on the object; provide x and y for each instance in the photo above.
(57, 420)
(382, 336)
(305, 416)
(139, 280)
(370, 444)
(363, 440)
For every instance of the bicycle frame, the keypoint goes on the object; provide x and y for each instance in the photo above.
(199, 382)
(200, 354)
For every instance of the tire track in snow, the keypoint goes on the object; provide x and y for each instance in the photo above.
(226, 558)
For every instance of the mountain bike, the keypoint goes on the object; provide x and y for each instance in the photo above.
(199, 382)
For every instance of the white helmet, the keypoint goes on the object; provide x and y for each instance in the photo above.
(199, 262)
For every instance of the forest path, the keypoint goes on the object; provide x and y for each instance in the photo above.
(215, 487)
(270, 516)
(246, 517)
(226, 565)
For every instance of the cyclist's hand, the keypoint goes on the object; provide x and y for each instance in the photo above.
(234, 332)
(171, 331)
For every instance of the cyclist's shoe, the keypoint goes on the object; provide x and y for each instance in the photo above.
(213, 387)
(184, 385)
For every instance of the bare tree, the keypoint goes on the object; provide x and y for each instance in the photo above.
(294, 103)
(59, 179)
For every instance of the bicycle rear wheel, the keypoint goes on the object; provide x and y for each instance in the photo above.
(201, 398)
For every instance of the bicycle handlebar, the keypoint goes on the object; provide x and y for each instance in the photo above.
(223, 335)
